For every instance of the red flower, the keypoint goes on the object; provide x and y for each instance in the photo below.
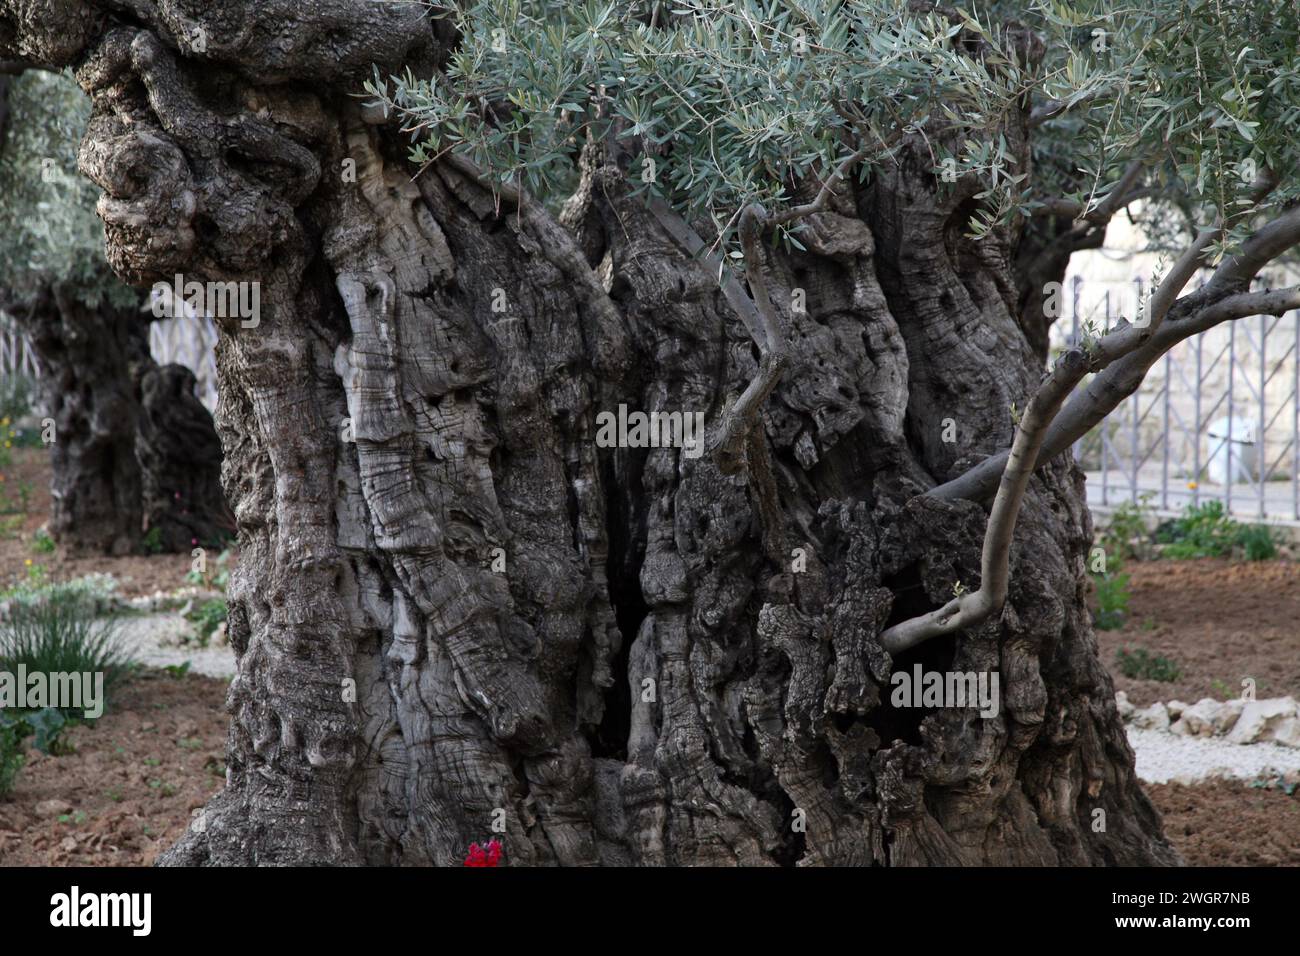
(480, 856)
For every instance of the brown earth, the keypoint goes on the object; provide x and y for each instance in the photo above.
(1219, 621)
(1229, 823)
(28, 474)
(127, 790)
(133, 781)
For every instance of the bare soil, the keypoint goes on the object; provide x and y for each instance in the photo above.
(128, 789)
(1228, 823)
(29, 471)
(1219, 621)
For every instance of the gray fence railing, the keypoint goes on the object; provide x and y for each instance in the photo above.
(16, 354)
(1217, 418)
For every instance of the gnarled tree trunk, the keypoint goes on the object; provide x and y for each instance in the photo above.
(133, 449)
(453, 610)
(91, 359)
(180, 464)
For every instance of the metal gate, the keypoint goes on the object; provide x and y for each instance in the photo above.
(1218, 417)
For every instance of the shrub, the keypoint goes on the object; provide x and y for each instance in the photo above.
(16, 398)
(153, 542)
(11, 753)
(1126, 535)
(62, 635)
(1204, 531)
(96, 592)
(207, 617)
(42, 543)
(1141, 665)
(1112, 600)
(1257, 542)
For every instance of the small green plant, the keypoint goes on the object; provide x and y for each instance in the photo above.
(1126, 535)
(215, 578)
(207, 617)
(153, 542)
(1142, 665)
(1257, 542)
(177, 670)
(17, 396)
(42, 543)
(46, 726)
(1112, 600)
(1204, 531)
(1207, 531)
(12, 756)
(62, 635)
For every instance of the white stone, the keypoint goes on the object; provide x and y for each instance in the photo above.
(1155, 717)
(1122, 704)
(1208, 718)
(1287, 732)
(1259, 718)
(1175, 708)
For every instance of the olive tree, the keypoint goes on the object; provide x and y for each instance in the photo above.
(831, 229)
(113, 428)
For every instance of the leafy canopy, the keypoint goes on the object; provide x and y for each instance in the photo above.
(48, 228)
(1206, 93)
(720, 103)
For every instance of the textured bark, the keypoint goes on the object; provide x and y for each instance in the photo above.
(385, 430)
(180, 464)
(92, 360)
(133, 448)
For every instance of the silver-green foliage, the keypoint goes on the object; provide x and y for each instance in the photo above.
(726, 102)
(720, 103)
(48, 228)
(1206, 93)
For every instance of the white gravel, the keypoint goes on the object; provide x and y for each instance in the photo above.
(1164, 758)
(155, 640)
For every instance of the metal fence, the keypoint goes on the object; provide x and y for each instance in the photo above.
(17, 357)
(1217, 418)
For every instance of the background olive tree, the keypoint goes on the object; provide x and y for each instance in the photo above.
(134, 459)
